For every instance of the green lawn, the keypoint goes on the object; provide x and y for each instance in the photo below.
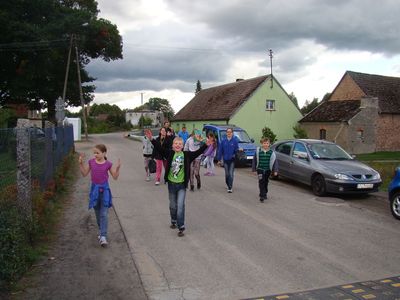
(379, 156)
(384, 162)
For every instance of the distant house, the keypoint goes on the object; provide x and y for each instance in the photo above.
(362, 114)
(251, 104)
(134, 116)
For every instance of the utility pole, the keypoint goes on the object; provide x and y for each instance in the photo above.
(270, 59)
(67, 69)
(78, 68)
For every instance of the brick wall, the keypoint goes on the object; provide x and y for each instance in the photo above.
(388, 138)
(347, 90)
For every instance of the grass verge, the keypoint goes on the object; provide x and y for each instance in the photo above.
(23, 241)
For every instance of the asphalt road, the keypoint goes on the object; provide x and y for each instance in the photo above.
(236, 247)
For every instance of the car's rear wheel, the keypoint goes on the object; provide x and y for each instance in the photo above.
(395, 205)
(318, 185)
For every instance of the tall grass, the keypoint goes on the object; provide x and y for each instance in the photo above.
(383, 162)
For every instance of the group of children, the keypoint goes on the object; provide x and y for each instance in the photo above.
(177, 160)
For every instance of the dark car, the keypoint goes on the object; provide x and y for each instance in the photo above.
(394, 194)
(325, 166)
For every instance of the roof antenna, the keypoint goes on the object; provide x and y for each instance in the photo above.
(270, 59)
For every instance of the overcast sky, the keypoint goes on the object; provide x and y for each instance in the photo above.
(170, 44)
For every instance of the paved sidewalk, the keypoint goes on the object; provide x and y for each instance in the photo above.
(388, 288)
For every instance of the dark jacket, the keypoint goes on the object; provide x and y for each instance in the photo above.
(167, 144)
(188, 157)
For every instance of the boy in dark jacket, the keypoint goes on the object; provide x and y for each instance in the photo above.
(177, 176)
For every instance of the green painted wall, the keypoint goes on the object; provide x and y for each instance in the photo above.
(190, 125)
(253, 116)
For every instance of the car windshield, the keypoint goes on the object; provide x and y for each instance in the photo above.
(328, 151)
(242, 136)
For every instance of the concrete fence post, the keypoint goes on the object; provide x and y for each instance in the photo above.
(24, 187)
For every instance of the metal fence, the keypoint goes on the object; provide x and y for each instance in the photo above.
(29, 157)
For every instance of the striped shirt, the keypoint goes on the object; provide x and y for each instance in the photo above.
(99, 172)
(264, 158)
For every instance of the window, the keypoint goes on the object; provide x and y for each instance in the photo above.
(300, 151)
(360, 134)
(285, 148)
(322, 134)
(270, 105)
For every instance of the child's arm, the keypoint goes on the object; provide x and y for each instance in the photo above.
(194, 154)
(84, 169)
(164, 151)
(115, 172)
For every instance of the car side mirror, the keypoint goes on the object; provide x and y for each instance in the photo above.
(303, 155)
(252, 140)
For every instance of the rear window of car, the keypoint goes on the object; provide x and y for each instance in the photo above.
(284, 148)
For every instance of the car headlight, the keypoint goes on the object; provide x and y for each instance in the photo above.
(343, 177)
(377, 176)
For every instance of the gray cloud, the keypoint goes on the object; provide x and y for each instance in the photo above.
(205, 39)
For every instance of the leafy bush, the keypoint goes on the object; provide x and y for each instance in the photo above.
(268, 133)
(21, 238)
(15, 247)
(299, 133)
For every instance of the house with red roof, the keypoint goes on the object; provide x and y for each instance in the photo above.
(362, 114)
(251, 104)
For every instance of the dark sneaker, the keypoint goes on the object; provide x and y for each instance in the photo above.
(262, 200)
(198, 184)
(172, 226)
(180, 233)
(192, 188)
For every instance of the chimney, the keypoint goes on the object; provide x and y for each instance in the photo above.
(239, 79)
(369, 102)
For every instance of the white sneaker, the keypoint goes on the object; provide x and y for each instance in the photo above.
(103, 241)
(148, 178)
(230, 190)
(157, 183)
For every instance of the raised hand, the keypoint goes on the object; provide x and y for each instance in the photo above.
(81, 158)
(148, 134)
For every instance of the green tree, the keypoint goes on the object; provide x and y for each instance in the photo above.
(268, 133)
(299, 133)
(6, 115)
(161, 105)
(294, 99)
(326, 97)
(198, 87)
(309, 106)
(105, 108)
(34, 46)
(145, 121)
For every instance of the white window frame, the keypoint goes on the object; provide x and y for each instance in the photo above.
(270, 104)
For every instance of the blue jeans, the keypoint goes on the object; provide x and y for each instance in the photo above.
(101, 213)
(176, 194)
(229, 167)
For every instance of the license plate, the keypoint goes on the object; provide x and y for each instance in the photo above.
(249, 157)
(365, 186)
